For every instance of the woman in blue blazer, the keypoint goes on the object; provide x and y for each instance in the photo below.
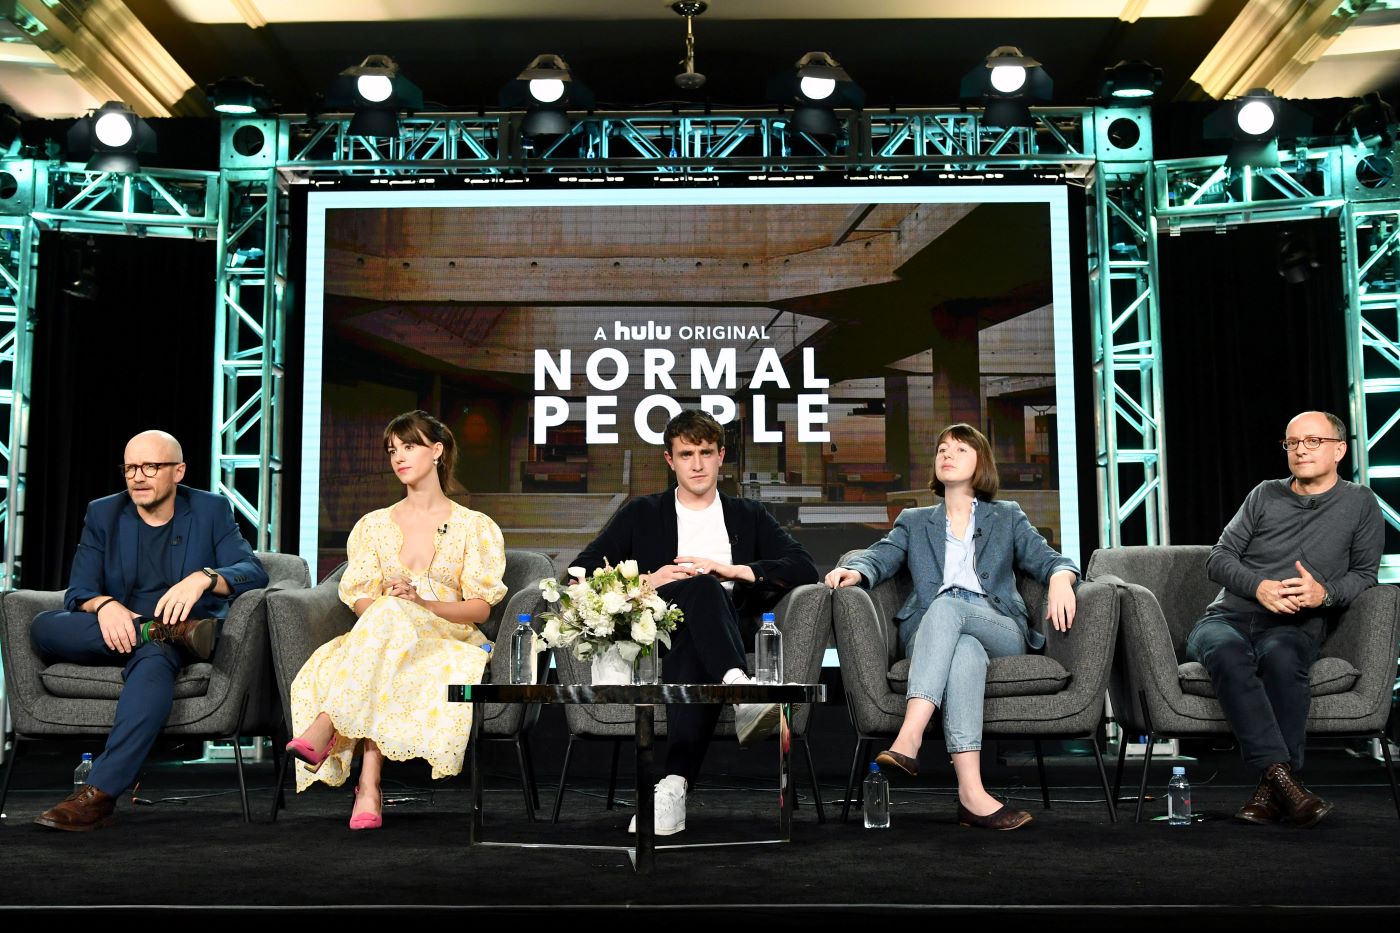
(964, 609)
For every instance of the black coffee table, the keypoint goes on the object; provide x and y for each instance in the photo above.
(645, 699)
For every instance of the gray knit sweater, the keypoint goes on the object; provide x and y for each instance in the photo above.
(1338, 536)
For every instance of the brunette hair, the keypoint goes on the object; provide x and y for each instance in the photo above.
(984, 479)
(419, 427)
(695, 426)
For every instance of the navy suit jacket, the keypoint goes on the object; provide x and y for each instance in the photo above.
(203, 534)
(644, 530)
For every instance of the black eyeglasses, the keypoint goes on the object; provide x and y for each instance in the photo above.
(1311, 443)
(147, 469)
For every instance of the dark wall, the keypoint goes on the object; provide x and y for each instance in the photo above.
(123, 342)
(1244, 351)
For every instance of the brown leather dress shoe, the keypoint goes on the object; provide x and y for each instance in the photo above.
(893, 759)
(1300, 806)
(1004, 819)
(194, 635)
(86, 809)
(1262, 808)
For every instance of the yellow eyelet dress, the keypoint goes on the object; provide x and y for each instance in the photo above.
(386, 679)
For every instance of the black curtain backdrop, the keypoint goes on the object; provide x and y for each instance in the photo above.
(123, 342)
(1244, 351)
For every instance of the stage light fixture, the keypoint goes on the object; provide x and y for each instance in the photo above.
(546, 89)
(1370, 124)
(1256, 122)
(111, 136)
(10, 125)
(376, 93)
(1130, 81)
(815, 87)
(238, 96)
(1003, 83)
(689, 79)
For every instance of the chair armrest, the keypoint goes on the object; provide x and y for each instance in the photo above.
(1086, 650)
(22, 663)
(1365, 635)
(860, 645)
(1148, 654)
(804, 618)
(298, 622)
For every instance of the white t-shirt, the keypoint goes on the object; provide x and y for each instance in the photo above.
(701, 533)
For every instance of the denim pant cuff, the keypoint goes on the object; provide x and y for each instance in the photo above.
(970, 748)
(920, 696)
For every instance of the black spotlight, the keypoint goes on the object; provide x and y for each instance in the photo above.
(1370, 123)
(815, 88)
(1130, 82)
(546, 89)
(1256, 122)
(239, 97)
(1004, 83)
(1296, 258)
(376, 93)
(112, 136)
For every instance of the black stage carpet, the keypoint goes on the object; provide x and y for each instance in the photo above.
(190, 848)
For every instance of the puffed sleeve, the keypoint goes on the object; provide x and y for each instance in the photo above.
(363, 578)
(483, 561)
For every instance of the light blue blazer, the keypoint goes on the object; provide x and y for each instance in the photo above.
(1003, 541)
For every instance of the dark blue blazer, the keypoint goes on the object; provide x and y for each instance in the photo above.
(203, 534)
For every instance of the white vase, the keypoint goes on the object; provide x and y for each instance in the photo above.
(610, 668)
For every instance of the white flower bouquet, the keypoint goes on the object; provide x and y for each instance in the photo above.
(612, 610)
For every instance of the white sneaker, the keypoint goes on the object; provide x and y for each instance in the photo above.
(668, 806)
(754, 722)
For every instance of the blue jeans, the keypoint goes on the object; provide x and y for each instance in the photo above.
(1261, 665)
(948, 650)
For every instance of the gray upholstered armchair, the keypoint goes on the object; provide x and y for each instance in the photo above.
(1055, 695)
(1156, 692)
(804, 618)
(299, 622)
(229, 696)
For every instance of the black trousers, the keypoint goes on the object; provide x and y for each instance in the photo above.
(1261, 667)
(706, 645)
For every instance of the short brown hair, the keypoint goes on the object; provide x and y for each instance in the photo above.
(985, 482)
(419, 427)
(696, 426)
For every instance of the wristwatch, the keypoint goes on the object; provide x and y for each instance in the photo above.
(1327, 599)
(212, 574)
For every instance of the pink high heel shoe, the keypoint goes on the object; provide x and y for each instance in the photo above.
(301, 750)
(366, 820)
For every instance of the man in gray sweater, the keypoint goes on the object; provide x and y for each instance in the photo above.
(1296, 553)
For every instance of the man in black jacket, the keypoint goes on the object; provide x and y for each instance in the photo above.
(721, 560)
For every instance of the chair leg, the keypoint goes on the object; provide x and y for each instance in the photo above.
(612, 773)
(1110, 799)
(524, 779)
(862, 746)
(1040, 767)
(238, 758)
(1389, 770)
(1142, 786)
(1118, 774)
(816, 788)
(9, 769)
(530, 769)
(277, 799)
(563, 776)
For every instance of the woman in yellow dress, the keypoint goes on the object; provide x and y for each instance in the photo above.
(422, 575)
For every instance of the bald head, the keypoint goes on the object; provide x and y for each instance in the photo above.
(154, 447)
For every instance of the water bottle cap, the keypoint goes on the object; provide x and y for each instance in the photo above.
(769, 617)
(523, 618)
(87, 756)
(874, 768)
(486, 647)
(1178, 770)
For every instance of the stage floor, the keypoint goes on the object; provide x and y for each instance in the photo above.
(191, 848)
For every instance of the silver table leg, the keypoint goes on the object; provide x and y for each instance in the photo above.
(472, 745)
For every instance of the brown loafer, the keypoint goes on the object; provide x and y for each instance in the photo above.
(1262, 808)
(1004, 819)
(86, 809)
(194, 635)
(893, 759)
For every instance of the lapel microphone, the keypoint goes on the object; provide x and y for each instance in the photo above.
(443, 529)
(175, 542)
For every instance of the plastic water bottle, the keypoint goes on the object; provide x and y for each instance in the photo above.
(1178, 799)
(877, 799)
(768, 652)
(522, 652)
(81, 772)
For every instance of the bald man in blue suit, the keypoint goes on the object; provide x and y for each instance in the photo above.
(155, 566)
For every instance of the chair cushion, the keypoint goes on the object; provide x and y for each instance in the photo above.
(1329, 676)
(1018, 676)
(104, 682)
